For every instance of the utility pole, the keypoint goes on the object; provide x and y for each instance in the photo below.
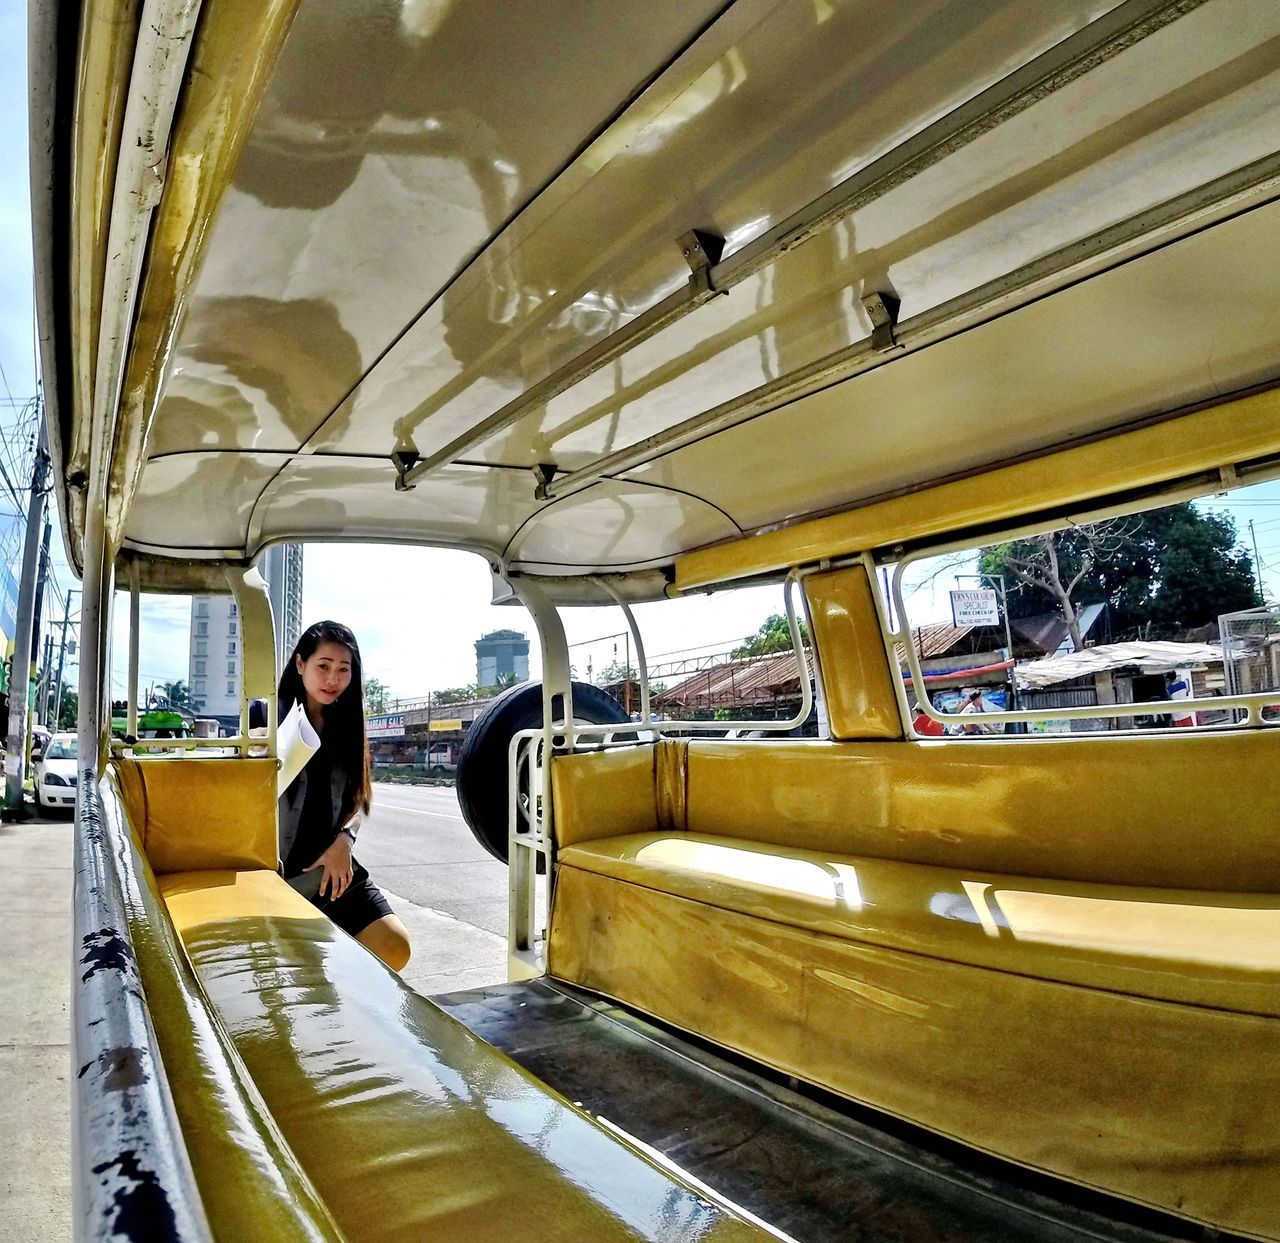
(42, 577)
(28, 588)
(1257, 563)
(46, 679)
(62, 656)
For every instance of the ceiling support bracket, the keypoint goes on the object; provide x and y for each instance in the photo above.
(882, 310)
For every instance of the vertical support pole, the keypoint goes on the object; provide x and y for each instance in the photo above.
(525, 953)
(135, 645)
(641, 661)
(258, 649)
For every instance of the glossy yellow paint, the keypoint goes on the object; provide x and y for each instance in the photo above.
(201, 813)
(1151, 1100)
(236, 47)
(251, 1185)
(410, 1126)
(1220, 950)
(856, 678)
(1223, 436)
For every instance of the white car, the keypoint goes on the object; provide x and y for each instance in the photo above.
(55, 773)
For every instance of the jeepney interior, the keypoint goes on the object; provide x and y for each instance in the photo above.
(635, 302)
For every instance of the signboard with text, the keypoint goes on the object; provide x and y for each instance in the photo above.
(977, 607)
(386, 726)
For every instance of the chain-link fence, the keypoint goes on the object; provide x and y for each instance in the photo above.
(1251, 650)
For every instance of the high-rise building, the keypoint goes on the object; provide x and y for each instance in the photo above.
(499, 654)
(215, 662)
(281, 566)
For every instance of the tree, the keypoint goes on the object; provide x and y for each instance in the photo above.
(1056, 564)
(1200, 572)
(620, 671)
(377, 697)
(68, 709)
(462, 695)
(1161, 573)
(176, 693)
(774, 635)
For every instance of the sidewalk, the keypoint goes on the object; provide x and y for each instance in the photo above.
(35, 990)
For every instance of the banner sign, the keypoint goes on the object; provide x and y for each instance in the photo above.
(444, 727)
(387, 726)
(975, 608)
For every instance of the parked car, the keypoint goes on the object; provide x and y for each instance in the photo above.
(55, 773)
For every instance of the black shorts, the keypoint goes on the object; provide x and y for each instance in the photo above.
(360, 904)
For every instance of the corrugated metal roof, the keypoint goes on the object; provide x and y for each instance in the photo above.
(758, 681)
(1148, 657)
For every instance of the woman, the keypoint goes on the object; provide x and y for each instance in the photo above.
(321, 810)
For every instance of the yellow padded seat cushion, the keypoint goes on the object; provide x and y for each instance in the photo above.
(213, 812)
(409, 1125)
(1208, 949)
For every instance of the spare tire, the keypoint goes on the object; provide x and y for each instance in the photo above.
(482, 776)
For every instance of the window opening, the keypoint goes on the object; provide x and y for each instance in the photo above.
(1173, 607)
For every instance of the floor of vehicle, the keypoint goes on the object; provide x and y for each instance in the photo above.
(809, 1165)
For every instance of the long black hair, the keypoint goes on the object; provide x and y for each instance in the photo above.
(344, 729)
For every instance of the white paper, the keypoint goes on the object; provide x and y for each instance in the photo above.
(296, 742)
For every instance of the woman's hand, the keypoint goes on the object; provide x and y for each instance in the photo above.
(336, 862)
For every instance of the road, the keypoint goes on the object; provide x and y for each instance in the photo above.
(450, 892)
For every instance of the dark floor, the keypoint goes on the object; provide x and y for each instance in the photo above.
(810, 1166)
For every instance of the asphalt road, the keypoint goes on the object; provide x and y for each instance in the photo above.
(449, 891)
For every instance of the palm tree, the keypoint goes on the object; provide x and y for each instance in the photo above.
(176, 693)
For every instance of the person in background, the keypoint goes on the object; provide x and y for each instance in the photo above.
(925, 725)
(1178, 686)
(973, 706)
(321, 810)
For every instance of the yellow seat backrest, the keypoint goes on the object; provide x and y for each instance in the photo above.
(1190, 812)
(198, 814)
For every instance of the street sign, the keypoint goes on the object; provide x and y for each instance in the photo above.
(977, 607)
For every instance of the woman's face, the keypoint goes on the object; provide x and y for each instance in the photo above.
(326, 673)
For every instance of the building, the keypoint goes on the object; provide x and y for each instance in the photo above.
(281, 566)
(501, 654)
(215, 662)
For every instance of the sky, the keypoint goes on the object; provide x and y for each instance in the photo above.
(416, 612)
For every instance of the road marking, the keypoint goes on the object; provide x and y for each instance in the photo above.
(417, 811)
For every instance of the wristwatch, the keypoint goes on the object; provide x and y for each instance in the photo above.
(350, 832)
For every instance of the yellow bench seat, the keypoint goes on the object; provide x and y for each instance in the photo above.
(409, 1125)
(1064, 953)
